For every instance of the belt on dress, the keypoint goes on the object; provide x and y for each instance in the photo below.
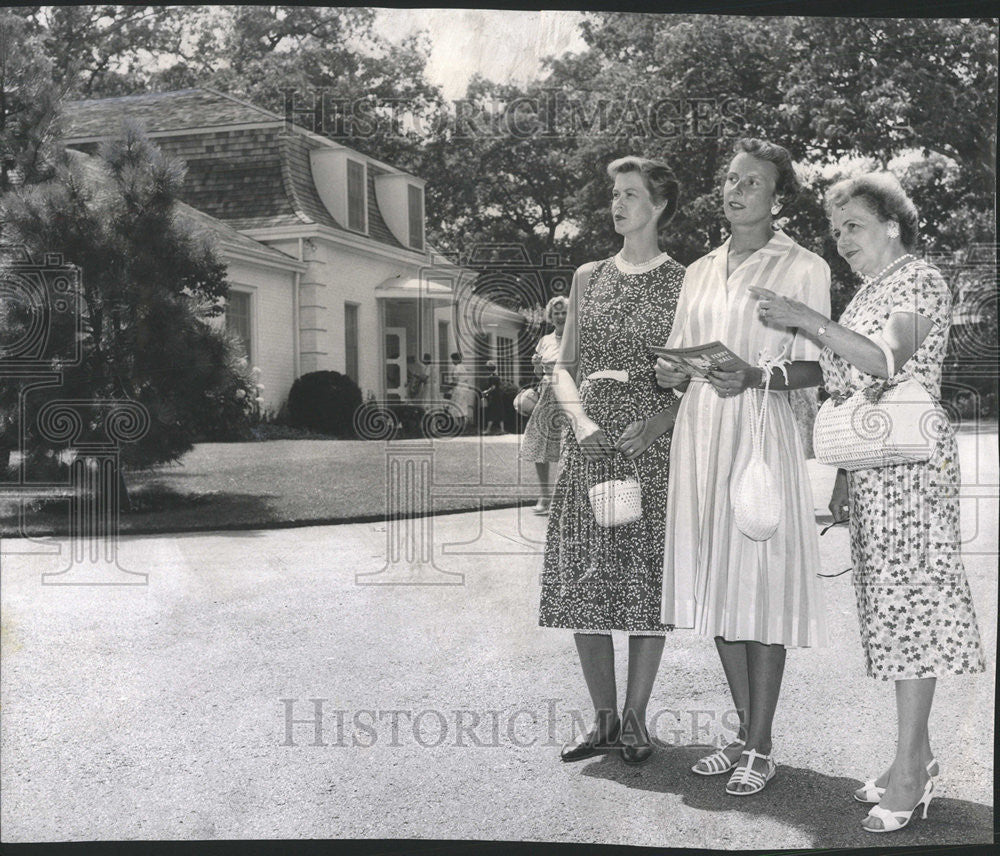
(611, 374)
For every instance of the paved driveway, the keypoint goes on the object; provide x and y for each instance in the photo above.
(185, 708)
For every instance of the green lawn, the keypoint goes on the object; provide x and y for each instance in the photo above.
(298, 482)
(295, 482)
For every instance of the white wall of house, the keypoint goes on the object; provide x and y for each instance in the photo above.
(271, 293)
(342, 274)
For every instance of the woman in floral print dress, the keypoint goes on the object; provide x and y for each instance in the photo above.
(914, 605)
(596, 579)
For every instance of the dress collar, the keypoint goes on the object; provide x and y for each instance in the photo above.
(779, 244)
(633, 269)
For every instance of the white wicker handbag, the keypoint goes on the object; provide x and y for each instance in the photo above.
(525, 401)
(617, 502)
(890, 423)
(756, 497)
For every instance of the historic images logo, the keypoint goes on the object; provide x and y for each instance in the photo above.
(309, 722)
(550, 114)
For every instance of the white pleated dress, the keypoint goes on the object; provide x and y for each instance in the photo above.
(716, 579)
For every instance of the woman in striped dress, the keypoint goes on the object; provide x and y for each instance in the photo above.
(756, 598)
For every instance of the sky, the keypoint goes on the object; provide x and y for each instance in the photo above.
(502, 46)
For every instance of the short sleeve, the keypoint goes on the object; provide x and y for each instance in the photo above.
(814, 292)
(678, 330)
(922, 290)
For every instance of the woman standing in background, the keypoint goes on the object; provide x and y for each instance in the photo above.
(542, 438)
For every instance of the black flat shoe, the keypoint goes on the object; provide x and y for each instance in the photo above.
(590, 744)
(639, 754)
(636, 755)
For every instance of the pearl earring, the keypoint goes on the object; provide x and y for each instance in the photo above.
(892, 230)
(775, 210)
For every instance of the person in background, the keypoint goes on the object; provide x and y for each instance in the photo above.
(416, 379)
(542, 439)
(463, 394)
(493, 401)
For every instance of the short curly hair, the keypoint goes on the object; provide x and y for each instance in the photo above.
(788, 185)
(883, 195)
(550, 307)
(658, 178)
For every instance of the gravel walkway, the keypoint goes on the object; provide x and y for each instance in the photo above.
(161, 711)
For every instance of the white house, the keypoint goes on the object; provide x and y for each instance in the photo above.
(326, 252)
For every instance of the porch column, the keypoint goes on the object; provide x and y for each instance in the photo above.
(314, 345)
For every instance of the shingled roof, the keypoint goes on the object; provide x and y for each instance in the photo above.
(252, 177)
(222, 232)
(184, 109)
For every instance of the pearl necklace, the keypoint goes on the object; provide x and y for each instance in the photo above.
(635, 268)
(870, 279)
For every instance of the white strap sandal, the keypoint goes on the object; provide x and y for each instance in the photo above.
(717, 763)
(746, 775)
(894, 820)
(871, 794)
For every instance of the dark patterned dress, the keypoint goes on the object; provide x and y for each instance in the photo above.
(599, 579)
(914, 604)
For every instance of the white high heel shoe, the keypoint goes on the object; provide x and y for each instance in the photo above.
(895, 820)
(871, 794)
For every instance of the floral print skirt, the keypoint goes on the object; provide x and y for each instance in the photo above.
(914, 604)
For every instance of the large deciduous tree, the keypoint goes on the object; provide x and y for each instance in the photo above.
(29, 101)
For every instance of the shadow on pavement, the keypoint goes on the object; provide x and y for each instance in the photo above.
(815, 803)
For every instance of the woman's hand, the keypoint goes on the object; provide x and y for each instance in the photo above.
(781, 311)
(840, 506)
(593, 442)
(642, 433)
(670, 375)
(728, 384)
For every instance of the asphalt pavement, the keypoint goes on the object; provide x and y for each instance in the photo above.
(389, 680)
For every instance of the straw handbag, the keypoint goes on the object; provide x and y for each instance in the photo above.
(617, 502)
(882, 425)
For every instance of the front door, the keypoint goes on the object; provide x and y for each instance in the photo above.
(394, 358)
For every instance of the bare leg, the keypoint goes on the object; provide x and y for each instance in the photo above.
(644, 654)
(908, 774)
(734, 663)
(766, 666)
(544, 488)
(597, 657)
(926, 756)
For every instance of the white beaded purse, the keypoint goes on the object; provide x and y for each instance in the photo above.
(886, 424)
(756, 497)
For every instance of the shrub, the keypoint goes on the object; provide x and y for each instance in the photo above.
(409, 418)
(324, 401)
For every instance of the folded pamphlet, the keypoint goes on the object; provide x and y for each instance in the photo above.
(702, 359)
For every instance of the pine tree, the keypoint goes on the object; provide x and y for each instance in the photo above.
(149, 286)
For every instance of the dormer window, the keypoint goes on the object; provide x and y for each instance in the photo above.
(400, 198)
(357, 196)
(415, 206)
